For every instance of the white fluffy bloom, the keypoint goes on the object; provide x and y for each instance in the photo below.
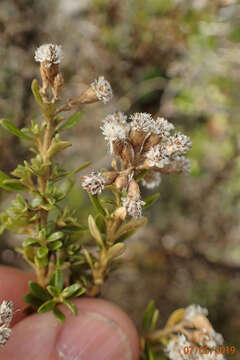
(133, 207)
(162, 127)
(193, 310)
(6, 312)
(115, 127)
(152, 181)
(103, 89)
(93, 183)
(5, 333)
(50, 53)
(212, 355)
(142, 122)
(157, 158)
(175, 349)
(176, 145)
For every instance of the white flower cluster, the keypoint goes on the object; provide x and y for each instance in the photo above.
(175, 349)
(173, 149)
(115, 127)
(49, 53)
(193, 310)
(145, 123)
(133, 207)
(103, 89)
(6, 315)
(93, 183)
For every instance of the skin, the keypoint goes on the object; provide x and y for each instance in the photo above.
(100, 331)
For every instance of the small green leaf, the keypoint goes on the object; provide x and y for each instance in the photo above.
(59, 315)
(6, 185)
(57, 147)
(55, 236)
(83, 166)
(55, 245)
(29, 242)
(150, 200)
(41, 262)
(47, 306)
(59, 279)
(35, 90)
(38, 291)
(80, 292)
(32, 300)
(132, 225)
(42, 252)
(36, 202)
(70, 290)
(147, 319)
(71, 306)
(72, 121)
(52, 291)
(10, 127)
(96, 203)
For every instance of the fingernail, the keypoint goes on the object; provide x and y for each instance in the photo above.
(92, 336)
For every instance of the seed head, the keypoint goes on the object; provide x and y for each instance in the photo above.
(177, 145)
(156, 157)
(93, 183)
(133, 207)
(103, 89)
(115, 127)
(175, 348)
(6, 312)
(162, 127)
(193, 310)
(49, 53)
(5, 333)
(142, 122)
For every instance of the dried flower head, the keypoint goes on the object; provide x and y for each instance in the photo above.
(49, 53)
(142, 122)
(6, 312)
(133, 207)
(175, 348)
(5, 333)
(115, 127)
(156, 157)
(152, 180)
(193, 310)
(177, 145)
(102, 89)
(93, 183)
(162, 127)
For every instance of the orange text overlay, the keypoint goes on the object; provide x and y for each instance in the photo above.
(230, 350)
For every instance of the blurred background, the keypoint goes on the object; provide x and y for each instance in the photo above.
(179, 59)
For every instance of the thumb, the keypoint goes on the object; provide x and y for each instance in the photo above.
(100, 331)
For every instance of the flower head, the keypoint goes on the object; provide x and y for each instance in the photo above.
(115, 127)
(49, 53)
(156, 157)
(93, 183)
(194, 310)
(142, 122)
(162, 127)
(103, 89)
(177, 145)
(6, 312)
(133, 207)
(5, 333)
(175, 348)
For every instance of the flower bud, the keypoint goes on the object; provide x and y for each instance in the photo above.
(121, 181)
